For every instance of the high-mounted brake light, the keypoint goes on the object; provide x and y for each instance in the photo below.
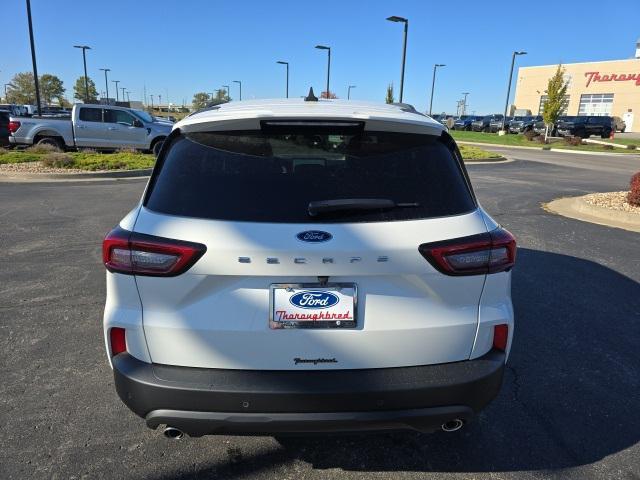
(13, 126)
(117, 337)
(474, 255)
(140, 254)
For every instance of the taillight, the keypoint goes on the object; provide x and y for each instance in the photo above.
(500, 337)
(474, 255)
(13, 126)
(117, 337)
(140, 254)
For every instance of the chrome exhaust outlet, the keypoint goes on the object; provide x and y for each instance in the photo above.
(173, 433)
(452, 425)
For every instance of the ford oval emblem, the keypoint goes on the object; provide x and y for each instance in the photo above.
(314, 236)
(314, 299)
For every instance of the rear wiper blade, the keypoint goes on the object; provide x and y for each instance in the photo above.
(345, 204)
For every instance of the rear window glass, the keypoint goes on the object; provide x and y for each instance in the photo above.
(91, 114)
(272, 177)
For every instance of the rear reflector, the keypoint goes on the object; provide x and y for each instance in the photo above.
(500, 337)
(118, 341)
(13, 126)
(474, 255)
(139, 254)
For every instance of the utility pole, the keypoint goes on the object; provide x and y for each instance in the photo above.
(33, 57)
(117, 82)
(84, 61)
(106, 82)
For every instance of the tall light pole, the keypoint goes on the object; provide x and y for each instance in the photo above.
(404, 49)
(5, 91)
(128, 99)
(33, 57)
(240, 84)
(328, 49)
(160, 103)
(433, 83)
(287, 64)
(349, 91)
(117, 82)
(228, 92)
(84, 61)
(464, 103)
(123, 89)
(506, 105)
(151, 103)
(106, 82)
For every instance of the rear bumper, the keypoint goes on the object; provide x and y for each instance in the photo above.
(212, 401)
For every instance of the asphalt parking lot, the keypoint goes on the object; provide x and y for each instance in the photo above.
(568, 408)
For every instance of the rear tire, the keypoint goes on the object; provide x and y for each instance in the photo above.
(56, 142)
(155, 148)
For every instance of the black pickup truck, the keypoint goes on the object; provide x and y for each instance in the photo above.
(585, 126)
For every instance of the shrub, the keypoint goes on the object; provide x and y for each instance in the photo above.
(57, 160)
(607, 147)
(634, 190)
(573, 141)
(3, 151)
(631, 147)
(539, 139)
(530, 135)
(42, 148)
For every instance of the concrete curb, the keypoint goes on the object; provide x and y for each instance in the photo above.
(559, 150)
(66, 177)
(488, 161)
(578, 209)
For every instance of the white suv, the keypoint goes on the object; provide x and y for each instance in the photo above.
(308, 266)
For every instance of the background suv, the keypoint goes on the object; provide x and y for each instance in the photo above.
(585, 126)
(483, 124)
(308, 266)
(524, 124)
(464, 122)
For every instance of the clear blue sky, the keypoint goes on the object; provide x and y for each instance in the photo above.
(182, 47)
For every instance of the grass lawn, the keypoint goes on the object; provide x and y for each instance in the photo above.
(83, 160)
(470, 152)
(521, 141)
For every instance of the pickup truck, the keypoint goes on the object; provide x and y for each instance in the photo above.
(92, 126)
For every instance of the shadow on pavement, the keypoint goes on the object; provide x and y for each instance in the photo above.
(570, 396)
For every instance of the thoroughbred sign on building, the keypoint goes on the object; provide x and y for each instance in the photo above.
(595, 88)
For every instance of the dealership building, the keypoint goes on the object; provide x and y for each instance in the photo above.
(610, 87)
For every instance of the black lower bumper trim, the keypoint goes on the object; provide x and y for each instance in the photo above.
(197, 424)
(200, 401)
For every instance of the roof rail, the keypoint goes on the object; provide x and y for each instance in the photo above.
(407, 107)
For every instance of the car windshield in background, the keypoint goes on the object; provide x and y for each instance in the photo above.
(259, 177)
(142, 115)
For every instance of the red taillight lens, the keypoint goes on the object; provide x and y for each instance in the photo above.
(500, 337)
(474, 255)
(13, 126)
(139, 254)
(118, 340)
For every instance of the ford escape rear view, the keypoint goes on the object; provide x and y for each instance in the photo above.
(308, 266)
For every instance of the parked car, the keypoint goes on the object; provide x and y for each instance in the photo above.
(4, 128)
(539, 127)
(523, 124)
(308, 267)
(496, 124)
(619, 124)
(585, 126)
(92, 126)
(464, 122)
(12, 109)
(483, 124)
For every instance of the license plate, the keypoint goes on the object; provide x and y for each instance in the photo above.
(313, 306)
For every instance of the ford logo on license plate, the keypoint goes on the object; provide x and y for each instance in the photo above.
(314, 299)
(314, 236)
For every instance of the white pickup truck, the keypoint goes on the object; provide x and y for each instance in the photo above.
(92, 126)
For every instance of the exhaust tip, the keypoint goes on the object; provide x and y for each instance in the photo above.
(452, 425)
(173, 433)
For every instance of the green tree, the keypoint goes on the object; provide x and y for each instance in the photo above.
(78, 90)
(22, 89)
(51, 87)
(201, 100)
(390, 98)
(555, 104)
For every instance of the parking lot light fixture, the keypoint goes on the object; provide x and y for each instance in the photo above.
(395, 18)
(433, 83)
(239, 82)
(33, 58)
(123, 89)
(228, 92)
(84, 61)
(287, 64)
(506, 105)
(106, 82)
(328, 49)
(349, 91)
(117, 82)
(464, 103)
